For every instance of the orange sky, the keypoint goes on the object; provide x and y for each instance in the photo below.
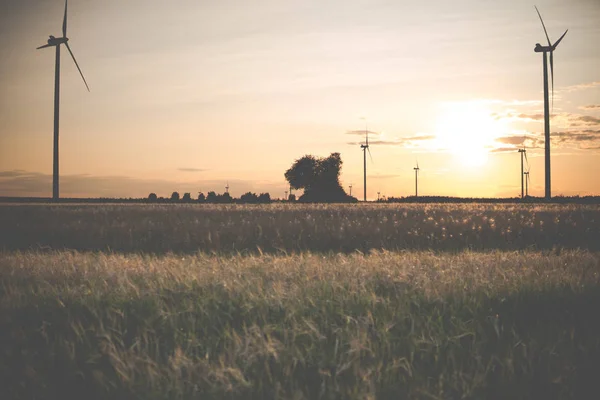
(188, 95)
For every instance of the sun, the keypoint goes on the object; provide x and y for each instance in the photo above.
(468, 130)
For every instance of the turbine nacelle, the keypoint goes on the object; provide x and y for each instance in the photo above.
(540, 49)
(54, 41)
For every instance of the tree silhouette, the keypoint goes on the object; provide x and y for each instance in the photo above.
(249, 198)
(187, 198)
(211, 197)
(225, 198)
(175, 196)
(201, 197)
(319, 177)
(152, 197)
(264, 198)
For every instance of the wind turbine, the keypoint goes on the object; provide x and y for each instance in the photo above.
(350, 186)
(527, 182)
(365, 148)
(523, 152)
(545, 50)
(227, 187)
(56, 42)
(417, 180)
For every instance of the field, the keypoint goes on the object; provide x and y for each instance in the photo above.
(286, 301)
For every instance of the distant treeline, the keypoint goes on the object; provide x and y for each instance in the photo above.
(265, 198)
(527, 199)
(213, 198)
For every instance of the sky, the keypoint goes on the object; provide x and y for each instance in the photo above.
(189, 95)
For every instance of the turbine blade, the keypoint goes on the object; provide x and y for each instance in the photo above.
(370, 156)
(544, 26)
(65, 21)
(44, 46)
(552, 79)
(558, 41)
(526, 160)
(84, 81)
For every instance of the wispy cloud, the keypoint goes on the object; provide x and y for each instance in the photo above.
(191, 169)
(591, 107)
(362, 132)
(581, 86)
(410, 141)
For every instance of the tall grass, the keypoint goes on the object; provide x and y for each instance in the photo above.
(229, 229)
(428, 325)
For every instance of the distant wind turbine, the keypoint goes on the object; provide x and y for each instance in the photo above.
(227, 187)
(56, 42)
(417, 180)
(527, 182)
(365, 148)
(545, 50)
(350, 186)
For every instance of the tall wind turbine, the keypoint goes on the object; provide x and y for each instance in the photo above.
(365, 148)
(56, 42)
(523, 152)
(545, 50)
(417, 180)
(527, 182)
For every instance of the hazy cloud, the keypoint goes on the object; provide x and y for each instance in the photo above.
(591, 107)
(581, 86)
(503, 150)
(410, 141)
(533, 117)
(191, 169)
(362, 133)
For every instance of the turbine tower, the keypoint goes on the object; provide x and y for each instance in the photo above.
(523, 152)
(545, 50)
(350, 189)
(56, 42)
(227, 187)
(417, 180)
(527, 182)
(365, 148)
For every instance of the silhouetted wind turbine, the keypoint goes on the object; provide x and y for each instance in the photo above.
(523, 152)
(227, 187)
(365, 148)
(417, 180)
(527, 182)
(56, 42)
(350, 189)
(545, 50)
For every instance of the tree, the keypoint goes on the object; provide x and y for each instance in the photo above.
(201, 197)
(225, 198)
(319, 177)
(249, 198)
(152, 197)
(187, 198)
(175, 196)
(211, 197)
(264, 198)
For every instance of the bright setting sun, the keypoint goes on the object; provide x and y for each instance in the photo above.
(468, 130)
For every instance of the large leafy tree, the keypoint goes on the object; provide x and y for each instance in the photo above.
(319, 177)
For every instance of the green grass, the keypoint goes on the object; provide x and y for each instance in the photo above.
(276, 228)
(430, 325)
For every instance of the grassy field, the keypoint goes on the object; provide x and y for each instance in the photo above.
(439, 302)
(296, 228)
